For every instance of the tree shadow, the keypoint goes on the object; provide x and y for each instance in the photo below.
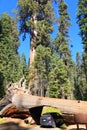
(12, 126)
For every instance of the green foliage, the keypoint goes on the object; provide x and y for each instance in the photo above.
(9, 58)
(80, 80)
(57, 77)
(62, 70)
(41, 64)
(53, 73)
(61, 39)
(82, 22)
(36, 16)
(50, 109)
(42, 59)
(8, 49)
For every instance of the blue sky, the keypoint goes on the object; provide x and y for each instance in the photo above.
(75, 40)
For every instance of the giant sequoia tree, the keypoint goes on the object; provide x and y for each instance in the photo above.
(82, 22)
(35, 18)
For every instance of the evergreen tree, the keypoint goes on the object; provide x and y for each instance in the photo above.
(62, 47)
(35, 18)
(41, 65)
(62, 40)
(58, 78)
(82, 22)
(9, 43)
(80, 81)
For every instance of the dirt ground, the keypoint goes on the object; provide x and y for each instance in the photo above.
(73, 127)
(18, 124)
(13, 124)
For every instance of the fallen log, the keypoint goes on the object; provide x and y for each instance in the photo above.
(65, 106)
(12, 111)
(20, 100)
(7, 109)
(70, 108)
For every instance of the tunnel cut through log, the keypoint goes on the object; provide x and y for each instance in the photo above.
(36, 113)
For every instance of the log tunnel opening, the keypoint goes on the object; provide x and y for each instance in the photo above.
(36, 113)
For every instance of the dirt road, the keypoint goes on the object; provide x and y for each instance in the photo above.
(18, 124)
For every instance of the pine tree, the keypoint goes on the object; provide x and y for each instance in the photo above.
(62, 38)
(9, 43)
(80, 81)
(58, 78)
(62, 42)
(82, 22)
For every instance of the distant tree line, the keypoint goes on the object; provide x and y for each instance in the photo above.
(52, 72)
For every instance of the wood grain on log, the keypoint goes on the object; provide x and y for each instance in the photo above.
(66, 106)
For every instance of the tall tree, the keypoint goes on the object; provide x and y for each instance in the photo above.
(82, 22)
(62, 40)
(9, 43)
(35, 18)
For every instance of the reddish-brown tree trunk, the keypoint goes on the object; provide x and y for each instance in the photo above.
(32, 44)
